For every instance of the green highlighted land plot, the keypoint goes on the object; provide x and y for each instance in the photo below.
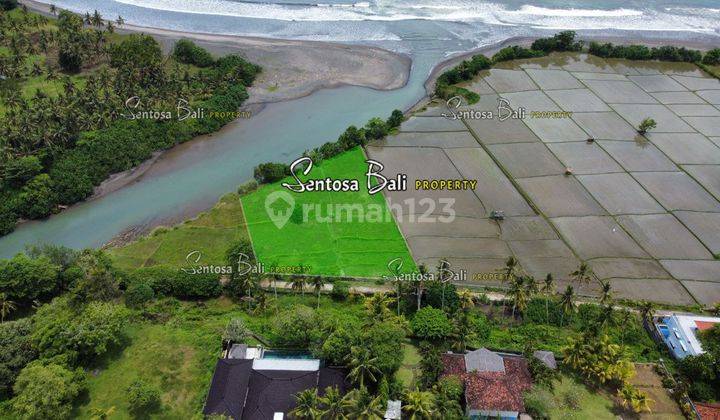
(348, 233)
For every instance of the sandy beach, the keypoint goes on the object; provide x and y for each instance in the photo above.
(291, 69)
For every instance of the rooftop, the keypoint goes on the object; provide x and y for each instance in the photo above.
(489, 389)
(679, 332)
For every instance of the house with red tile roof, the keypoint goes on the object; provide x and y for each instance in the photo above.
(708, 411)
(494, 382)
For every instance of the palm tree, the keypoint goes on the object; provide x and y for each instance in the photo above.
(318, 284)
(120, 21)
(509, 273)
(362, 406)
(548, 289)
(567, 302)
(297, 283)
(518, 294)
(377, 306)
(333, 404)
(443, 269)
(583, 274)
(419, 405)
(606, 317)
(467, 300)
(606, 292)
(53, 9)
(307, 405)
(6, 306)
(532, 286)
(646, 311)
(363, 367)
(420, 284)
(97, 19)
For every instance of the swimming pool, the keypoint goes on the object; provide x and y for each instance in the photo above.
(286, 354)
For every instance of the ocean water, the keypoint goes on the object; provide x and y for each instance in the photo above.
(427, 30)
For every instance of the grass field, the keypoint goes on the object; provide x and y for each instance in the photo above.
(409, 371)
(590, 405)
(210, 233)
(179, 356)
(353, 247)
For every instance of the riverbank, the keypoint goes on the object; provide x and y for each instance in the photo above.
(291, 69)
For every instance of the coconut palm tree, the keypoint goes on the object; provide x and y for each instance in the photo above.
(532, 286)
(363, 367)
(548, 289)
(646, 311)
(518, 292)
(297, 283)
(567, 302)
(361, 405)
(583, 274)
(53, 9)
(605, 292)
(97, 19)
(307, 405)
(333, 406)
(377, 306)
(509, 273)
(6, 307)
(419, 405)
(443, 276)
(120, 21)
(467, 300)
(318, 283)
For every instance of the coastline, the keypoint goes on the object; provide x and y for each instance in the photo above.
(291, 68)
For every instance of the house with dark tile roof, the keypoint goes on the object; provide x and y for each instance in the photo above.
(258, 389)
(494, 382)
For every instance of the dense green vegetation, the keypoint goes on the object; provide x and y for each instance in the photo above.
(358, 239)
(81, 102)
(446, 88)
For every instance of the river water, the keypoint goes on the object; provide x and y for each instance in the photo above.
(190, 178)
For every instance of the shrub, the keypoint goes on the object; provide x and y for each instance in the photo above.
(384, 340)
(562, 41)
(24, 279)
(296, 327)
(137, 295)
(702, 391)
(712, 57)
(8, 4)
(336, 348)
(46, 391)
(8, 217)
(516, 52)
(395, 119)
(142, 397)
(376, 129)
(185, 51)
(538, 403)
(247, 187)
(269, 172)
(340, 291)
(236, 331)
(37, 198)
(646, 124)
(173, 282)
(18, 171)
(439, 294)
(431, 324)
(61, 330)
(451, 387)
(16, 351)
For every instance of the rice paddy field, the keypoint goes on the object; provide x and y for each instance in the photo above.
(326, 233)
(642, 210)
